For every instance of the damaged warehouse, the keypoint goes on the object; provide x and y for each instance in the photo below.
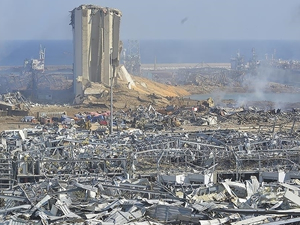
(154, 157)
(152, 174)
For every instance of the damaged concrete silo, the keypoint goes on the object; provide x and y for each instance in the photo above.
(96, 40)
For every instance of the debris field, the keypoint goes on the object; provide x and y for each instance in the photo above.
(191, 165)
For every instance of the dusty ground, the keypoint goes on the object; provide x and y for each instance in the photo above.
(145, 92)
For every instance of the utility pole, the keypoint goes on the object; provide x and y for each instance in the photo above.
(111, 76)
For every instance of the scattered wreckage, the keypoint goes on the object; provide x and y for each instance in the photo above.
(162, 175)
(14, 104)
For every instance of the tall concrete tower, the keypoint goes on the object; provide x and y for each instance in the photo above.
(96, 40)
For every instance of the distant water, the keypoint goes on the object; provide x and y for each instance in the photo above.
(59, 52)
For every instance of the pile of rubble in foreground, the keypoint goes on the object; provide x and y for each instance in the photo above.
(209, 176)
(102, 200)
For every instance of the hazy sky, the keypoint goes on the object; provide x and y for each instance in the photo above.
(159, 19)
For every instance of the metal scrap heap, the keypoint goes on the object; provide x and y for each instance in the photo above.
(13, 104)
(156, 172)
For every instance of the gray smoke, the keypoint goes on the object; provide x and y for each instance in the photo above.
(262, 85)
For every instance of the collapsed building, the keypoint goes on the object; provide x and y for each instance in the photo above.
(97, 46)
(150, 174)
(96, 55)
(140, 176)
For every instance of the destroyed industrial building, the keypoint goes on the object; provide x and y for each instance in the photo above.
(97, 46)
(188, 163)
(158, 171)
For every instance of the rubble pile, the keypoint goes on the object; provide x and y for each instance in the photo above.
(154, 170)
(84, 200)
(13, 104)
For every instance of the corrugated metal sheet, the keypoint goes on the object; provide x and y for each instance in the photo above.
(64, 208)
(167, 213)
(16, 222)
(44, 218)
(121, 217)
(16, 208)
(220, 220)
(203, 206)
(289, 221)
(114, 204)
(85, 187)
(143, 223)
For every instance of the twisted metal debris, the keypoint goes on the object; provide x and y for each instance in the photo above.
(158, 174)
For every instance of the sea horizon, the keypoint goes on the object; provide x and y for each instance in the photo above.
(60, 52)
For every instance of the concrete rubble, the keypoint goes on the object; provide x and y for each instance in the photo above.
(152, 170)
